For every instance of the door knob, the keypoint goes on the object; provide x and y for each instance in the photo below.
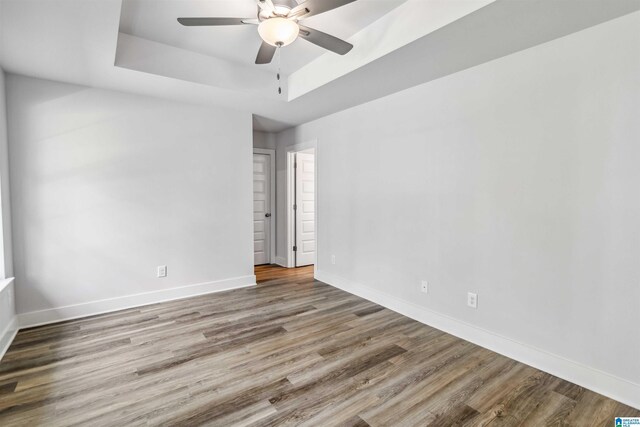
(267, 215)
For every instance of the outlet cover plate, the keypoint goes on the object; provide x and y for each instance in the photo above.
(162, 271)
(424, 286)
(472, 300)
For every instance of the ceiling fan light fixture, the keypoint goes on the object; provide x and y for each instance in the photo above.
(278, 31)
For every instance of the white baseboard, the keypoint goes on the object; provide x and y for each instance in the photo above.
(593, 379)
(281, 261)
(8, 335)
(58, 314)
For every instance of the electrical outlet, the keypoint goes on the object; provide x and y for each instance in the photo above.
(333, 259)
(472, 300)
(424, 287)
(162, 271)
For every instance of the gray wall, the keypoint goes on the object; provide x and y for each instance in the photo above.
(107, 186)
(517, 179)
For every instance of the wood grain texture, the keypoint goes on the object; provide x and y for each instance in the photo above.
(291, 351)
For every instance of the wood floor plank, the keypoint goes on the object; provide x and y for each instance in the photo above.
(291, 351)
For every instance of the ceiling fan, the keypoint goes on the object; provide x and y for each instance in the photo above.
(278, 25)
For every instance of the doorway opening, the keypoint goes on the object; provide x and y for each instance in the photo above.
(264, 191)
(301, 207)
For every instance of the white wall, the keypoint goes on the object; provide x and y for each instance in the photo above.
(107, 186)
(517, 179)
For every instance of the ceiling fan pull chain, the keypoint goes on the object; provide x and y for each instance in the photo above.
(279, 67)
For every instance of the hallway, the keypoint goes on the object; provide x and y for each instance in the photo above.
(268, 272)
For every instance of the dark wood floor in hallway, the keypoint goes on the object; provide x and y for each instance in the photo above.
(290, 351)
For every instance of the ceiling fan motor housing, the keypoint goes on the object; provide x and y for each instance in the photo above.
(289, 4)
(282, 8)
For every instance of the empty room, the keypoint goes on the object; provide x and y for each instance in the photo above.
(320, 213)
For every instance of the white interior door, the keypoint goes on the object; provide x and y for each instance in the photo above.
(261, 206)
(305, 210)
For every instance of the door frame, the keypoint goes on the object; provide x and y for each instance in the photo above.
(272, 199)
(290, 197)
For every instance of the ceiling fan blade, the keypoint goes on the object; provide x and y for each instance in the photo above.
(199, 22)
(265, 54)
(325, 40)
(317, 7)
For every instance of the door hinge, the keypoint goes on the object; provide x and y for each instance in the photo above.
(295, 207)
(295, 249)
(295, 165)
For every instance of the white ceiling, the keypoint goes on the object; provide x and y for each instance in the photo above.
(407, 22)
(79, 41)
(156, 20)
